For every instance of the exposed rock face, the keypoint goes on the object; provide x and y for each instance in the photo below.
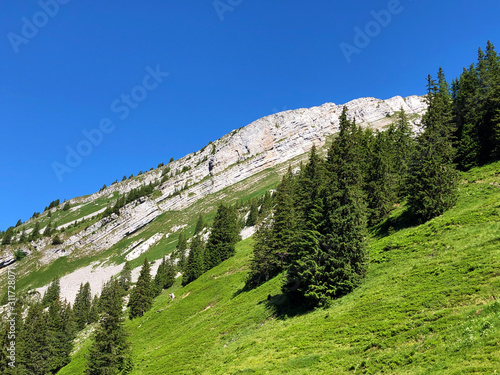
(267, 142)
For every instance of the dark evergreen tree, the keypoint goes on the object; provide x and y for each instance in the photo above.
(265, 264)
(125, 278)
(403, 151)
(223, 237)
(141, 297)
(200, 224)
(48, 230)
(165, 276)
(81, 308)
(10, 365)
(61, 332)
(285, 219)
(467, 118)
(432, 183)
(344, 248)
(36, 340)
(266, 205)
(56, 240)
(52, 293)
(110, 351)
(7, 237)
(195, 260)
(180, 250)
(253, 214)
(381, 186)
(22, 237)
(35, 234)
(488, 98)
(95, 308)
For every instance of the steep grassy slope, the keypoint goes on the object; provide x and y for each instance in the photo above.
(32, 273)
(428, 305)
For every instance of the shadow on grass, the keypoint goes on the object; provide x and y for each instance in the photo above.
(282, 308)
(393, 224)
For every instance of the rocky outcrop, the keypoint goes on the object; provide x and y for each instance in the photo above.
(267, 142)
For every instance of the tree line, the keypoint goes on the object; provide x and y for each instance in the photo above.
(316, 232)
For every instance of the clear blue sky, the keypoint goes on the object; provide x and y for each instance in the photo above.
(227, 67)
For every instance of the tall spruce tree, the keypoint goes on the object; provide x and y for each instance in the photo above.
(253, 213)
(36, 341)
(110, 351)
(180, 250)
(285, 219)
(264, 264)
(487, 96)
(223, 237)
(266, 205)
(195, 260)
(335, 264)
(61, 332)
(200, 224)
(381, 186)
(10, 364)
(52, 293)
(467, 118)
(305, 253)
(432, 183)
(95, 309)
(165, 276)
(125, 278)
(141, 297)
(403, 151)
(81, 307)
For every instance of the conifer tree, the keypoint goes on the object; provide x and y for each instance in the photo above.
(35, 234)
(264, 265)
(7, 238)
(180, 251)
(22, 237)
(266, 205)
(253, 214)
(195, 260)
(223, 237)
(381, 185)
(467, 118)
(328, 257)
(306, 247)
(81, 308)
(125, 278)
(36, 341)
(60, 334)
(110, 350)
(95, 308)
(488, 68)
(48, 230)
(285, 219)
(200, 224)
(52, 293)
(432, 183)
(7, 365)
(141, 297)
(165, 276)
(403, 151)
(344, 249)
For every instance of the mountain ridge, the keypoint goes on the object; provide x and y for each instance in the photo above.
(265, 143)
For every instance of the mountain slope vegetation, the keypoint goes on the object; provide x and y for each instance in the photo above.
(428, 304)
